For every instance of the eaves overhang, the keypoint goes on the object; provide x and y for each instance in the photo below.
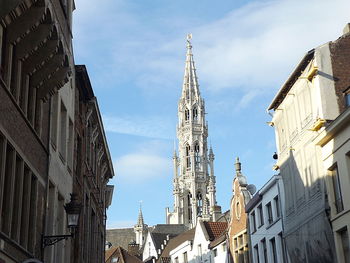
(282, 93)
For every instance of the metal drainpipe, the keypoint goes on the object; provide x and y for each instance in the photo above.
(46, 201)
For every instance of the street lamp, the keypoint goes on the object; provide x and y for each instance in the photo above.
(73, 211)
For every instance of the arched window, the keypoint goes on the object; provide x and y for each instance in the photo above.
(195, 114)
(187, 115)
(199, 203)
(188, 157)
(197, 158)
(189, 205)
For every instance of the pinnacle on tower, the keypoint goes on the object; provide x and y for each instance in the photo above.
(140, 221)
(190, 88)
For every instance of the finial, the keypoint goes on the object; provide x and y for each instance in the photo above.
(238, 166)
(189, 37)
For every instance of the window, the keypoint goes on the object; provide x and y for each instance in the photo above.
(347, 100)
(63, 131)
(215, 252)
(256, 253)
(253, 224)
(347, 96)
(224, 247)
(199, 203)
(197, 158)
(277, 205)
(185, 257)
(273, 249)
(70, 144)
(189, 205)
(187, 115)
(269, 212)
(54, 119)
(195, 114)
(188, 157)
(344, 237)
(261, 215)
(338, 200)
(263, 243)
(176, 260)
(200, 251)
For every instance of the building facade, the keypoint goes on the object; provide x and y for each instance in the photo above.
(194, 181)
(237, 230)
(39, 127)
(35, 62)
(92, 170)
(313, 97)
(334, 141)
(266, 223)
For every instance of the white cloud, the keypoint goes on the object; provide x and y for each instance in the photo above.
(258, 45)
(252, 49)
(152, 127)
(142, 166)
(150, 159)
(120, 224)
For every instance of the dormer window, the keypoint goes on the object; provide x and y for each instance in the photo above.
(187, 115)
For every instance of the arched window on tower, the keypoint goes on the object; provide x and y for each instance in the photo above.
(197, 158)
(195, 114)
(189, 205)
(199, 204)
(188, 157)
(187, 115)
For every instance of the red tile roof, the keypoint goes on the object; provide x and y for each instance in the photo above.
(215, 229)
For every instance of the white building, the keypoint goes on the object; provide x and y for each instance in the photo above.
(266, 223)
(208, 245)
(312, 98)
(194, 183)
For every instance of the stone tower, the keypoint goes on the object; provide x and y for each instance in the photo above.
(140, 229)
(194, 180)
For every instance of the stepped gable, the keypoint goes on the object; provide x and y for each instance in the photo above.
(215, 229)
(173, 243)
(120, 237)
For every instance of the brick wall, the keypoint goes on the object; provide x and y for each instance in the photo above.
(340, 57)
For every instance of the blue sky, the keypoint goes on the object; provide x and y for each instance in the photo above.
(244, 51)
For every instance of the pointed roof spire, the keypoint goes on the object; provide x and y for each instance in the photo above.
(140, 221)
(190, 85)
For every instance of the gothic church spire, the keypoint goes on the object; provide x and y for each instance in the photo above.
(190, 87)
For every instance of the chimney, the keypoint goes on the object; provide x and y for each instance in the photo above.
(159, 251)
(346, 29)
(162, 246)
(167, 237)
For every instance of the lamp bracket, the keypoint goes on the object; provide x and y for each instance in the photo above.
(51, 240)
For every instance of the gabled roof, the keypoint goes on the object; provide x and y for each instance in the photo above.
(215, 229)
(175, 242)
(123, 255)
